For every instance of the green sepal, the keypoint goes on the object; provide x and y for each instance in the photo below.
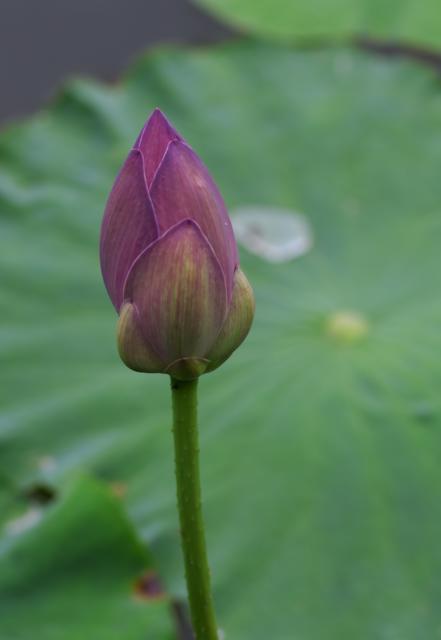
(237, 324)
(133, 348)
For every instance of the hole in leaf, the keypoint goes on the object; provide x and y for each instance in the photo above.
(149, 587)
(40, 494)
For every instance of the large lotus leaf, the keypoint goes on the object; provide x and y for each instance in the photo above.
(80, 572)
(416, 22)
(320, 438)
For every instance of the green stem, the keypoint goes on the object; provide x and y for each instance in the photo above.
(185, 431)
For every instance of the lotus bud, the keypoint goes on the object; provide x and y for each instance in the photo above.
(169, 260)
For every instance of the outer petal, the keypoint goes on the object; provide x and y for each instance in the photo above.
(153, 141)
(129, 225)
(183, 188)
(133, 348)
(237, 324)
(178, 287)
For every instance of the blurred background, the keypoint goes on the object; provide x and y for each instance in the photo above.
(44, 42)
(321, 437)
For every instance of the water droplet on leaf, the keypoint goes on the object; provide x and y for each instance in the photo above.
(275, 234)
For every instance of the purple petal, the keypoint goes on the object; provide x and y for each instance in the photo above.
(153, 141)
(183, 188)
(129, 226)
(178, 287)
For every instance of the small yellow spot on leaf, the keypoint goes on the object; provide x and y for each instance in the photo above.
(347, 326)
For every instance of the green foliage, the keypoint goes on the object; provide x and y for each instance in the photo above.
(73, 576)
(417, 22)
(320, 438)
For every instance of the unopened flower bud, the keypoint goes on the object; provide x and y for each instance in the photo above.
(169, 260)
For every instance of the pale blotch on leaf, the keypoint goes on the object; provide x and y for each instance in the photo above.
(26, 521)
(46, 463)
(347, 326)
(274, 234)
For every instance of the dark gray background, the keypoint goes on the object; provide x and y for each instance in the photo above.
(43, 41)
